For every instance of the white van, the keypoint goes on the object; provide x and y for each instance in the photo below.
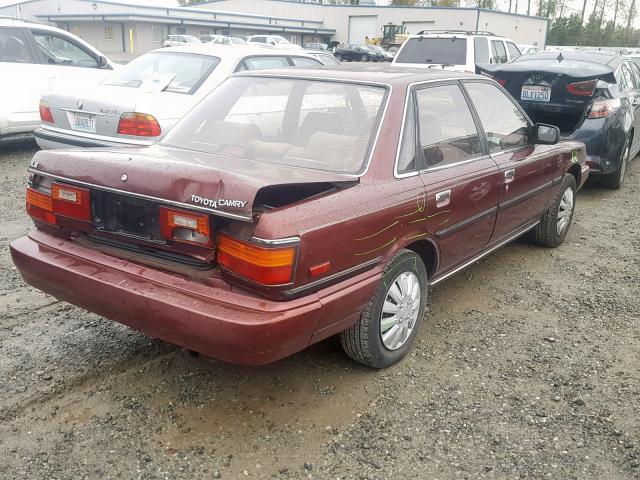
(454, 50)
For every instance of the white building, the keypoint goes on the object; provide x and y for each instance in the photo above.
(114, 26)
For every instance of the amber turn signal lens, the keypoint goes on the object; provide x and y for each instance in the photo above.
(39, 206)
(263, 265)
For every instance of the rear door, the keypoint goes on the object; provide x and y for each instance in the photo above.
(527, 171)
(461, 180)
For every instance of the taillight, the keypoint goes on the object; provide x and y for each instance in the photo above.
(45, 112)
(263, 265)
(72, 202)
(582, 89)
(138, 124)
(501, 81)
(65, 201)
(604, 108)
(186, 227)
(40, 206)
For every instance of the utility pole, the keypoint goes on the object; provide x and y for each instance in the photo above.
(529, 7)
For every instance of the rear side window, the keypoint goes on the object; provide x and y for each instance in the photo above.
(261, 63)
(13, 47)
(57, 50)
(305, 62)
(499, 53)
(447, 51)
(447, 131)
(165, 71)
(503, 122)
(481, 50)
(407, 159)
(513, 50)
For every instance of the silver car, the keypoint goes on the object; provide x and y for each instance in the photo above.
(143, 100)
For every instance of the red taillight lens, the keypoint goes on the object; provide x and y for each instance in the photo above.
(138, 124)
(582, 89)
(40, 206)
(501, 81)
(45, 113)
(263, 265)
(72, 202)
(186, 227)
(604, 108)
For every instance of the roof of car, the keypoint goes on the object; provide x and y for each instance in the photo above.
(394, 76)
(235, 49)
(19, 22)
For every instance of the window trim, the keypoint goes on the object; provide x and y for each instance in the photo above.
(69, 39)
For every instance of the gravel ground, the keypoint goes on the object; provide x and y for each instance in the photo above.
(526, 367)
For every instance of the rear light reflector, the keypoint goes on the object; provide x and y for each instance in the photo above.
(39, 206)
(139, 125)
(72, 202)
(263, 265)
(186, 227)
(319, 269)
(45, 113)
(582, 89)
(501, 81)
(604, 108)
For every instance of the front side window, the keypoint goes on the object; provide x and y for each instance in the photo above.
(302, 123)
(446, 51)
(13, 47)
(165, 71)
(504, 124)
(499, 53)
(447, 131)
(481, 47)
(58, 50)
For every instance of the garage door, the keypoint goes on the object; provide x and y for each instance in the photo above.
(415, 27)
(361, 27)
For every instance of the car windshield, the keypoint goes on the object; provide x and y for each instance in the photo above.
(165, 71)
(447, 51)
(303, 123)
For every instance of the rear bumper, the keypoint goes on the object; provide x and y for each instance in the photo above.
(53, 139)
(219, 321)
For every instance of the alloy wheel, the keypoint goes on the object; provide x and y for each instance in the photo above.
(565, 210)
(400, 310)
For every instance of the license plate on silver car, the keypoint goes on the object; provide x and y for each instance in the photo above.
(84, 122)
(535, 93)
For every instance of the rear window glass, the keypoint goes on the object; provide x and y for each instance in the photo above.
(447, 51)
(165, 71)
(303, 123)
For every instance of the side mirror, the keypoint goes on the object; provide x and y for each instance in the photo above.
(546, 134)
(102, 61)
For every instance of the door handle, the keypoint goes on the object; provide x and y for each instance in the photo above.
(509, 175)
(443, 198)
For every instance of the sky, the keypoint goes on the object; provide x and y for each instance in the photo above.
(571, 6)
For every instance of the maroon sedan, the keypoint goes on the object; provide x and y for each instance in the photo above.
(286, 208)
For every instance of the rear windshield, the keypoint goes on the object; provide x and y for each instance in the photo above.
(447, 51)
(165, 71)
(304, 123)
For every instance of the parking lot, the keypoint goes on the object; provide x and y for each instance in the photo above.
(526, 366)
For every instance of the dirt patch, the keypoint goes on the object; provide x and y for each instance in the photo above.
(526, 367)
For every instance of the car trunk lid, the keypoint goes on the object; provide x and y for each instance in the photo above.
(552, 91)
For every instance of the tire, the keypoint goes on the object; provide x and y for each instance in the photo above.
(364, 58)
(615, 179)
(339, 57)
(364, 341)
(555, 223)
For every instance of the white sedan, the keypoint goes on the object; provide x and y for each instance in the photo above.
(37, 59)
(144, 99)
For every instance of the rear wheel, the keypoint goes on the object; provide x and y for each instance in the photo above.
(554, 225)
(339, 57)
(616, 179)
(390, 322)
(364, 58)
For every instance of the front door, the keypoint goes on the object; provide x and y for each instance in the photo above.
(460, 179)
(526, 170)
